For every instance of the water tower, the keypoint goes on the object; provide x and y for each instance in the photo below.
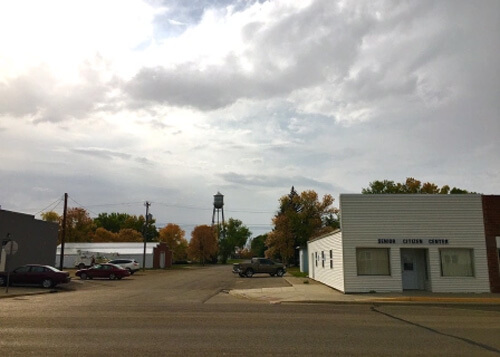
(219, 208)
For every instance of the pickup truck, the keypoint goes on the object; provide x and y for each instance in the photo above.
(257, 266)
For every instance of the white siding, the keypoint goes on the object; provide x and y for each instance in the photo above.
(333, 277)
(457, 218)
(126, 250)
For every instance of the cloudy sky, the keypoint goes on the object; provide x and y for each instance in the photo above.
(122, 102)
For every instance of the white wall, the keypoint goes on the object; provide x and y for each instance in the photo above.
(457, 218)
(333, 277)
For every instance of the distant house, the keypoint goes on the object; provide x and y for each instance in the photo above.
(158, 255)
(392, 243)
(36, 240)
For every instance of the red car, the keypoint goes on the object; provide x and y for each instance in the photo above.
(105, 270)
(36, 274)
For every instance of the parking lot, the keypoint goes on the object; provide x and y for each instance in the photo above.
(188, 312)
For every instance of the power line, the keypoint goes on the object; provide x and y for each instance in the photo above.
(57, 202)
(209, 209)
(79, 204)
(116, 204)
(191, 207)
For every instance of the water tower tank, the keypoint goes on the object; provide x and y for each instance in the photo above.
(218, 200)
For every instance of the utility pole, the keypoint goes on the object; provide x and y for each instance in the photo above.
(147, 204)
(63, 233)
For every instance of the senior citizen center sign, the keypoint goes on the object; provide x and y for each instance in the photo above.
(413, 241)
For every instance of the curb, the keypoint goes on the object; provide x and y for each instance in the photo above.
(14, 295)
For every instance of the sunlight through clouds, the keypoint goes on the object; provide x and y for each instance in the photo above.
(176, 100)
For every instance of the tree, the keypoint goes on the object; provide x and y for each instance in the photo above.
(102, 235)
(79, 225)
(299, 219)
(281, 241)
(173, 235)
(245, 253)
(235, 235)
(114, 222)
(411, 185)
(50, 216)
(258, 245)
(129, 235)
(203, 244)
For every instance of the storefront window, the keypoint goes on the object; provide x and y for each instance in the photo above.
(373, 261)
(456, 262)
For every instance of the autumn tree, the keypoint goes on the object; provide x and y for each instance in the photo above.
(281, 241)
(173, 235)
(102, 235)
(79, 225)
(130, 235)
(411, 185)
(51, 216)
(203, 245)
(299, 219)
(234, 235)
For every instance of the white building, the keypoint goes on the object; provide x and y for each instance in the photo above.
(72, 252)
(391, 243)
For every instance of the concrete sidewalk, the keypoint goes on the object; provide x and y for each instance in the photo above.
(309, 291)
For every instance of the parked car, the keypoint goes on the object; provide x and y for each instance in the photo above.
(130, 264)
(36, 274)
(259, 266)
(105, 270)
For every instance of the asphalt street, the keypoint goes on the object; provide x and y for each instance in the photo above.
(190, 312)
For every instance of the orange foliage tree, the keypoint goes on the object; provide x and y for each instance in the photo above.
(102, 235)
(129, 235)
(173, 235)
(79, 225)
(203, 245)
(300, 218)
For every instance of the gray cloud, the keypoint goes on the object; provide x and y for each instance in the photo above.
(338, 97)
(39, 95)
(105, 154)
(294, 52)
(274, 181)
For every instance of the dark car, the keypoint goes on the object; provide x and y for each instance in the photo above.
(105, 270)
(36, 274)
(259, 265)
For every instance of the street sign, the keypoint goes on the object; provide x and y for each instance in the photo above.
(11, 247)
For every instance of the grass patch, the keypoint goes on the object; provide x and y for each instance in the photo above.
(232, 261)
(295, 271)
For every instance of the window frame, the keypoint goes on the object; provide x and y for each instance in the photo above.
(446, 273)
(365, 249)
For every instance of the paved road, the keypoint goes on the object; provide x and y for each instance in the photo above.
(187, 312)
